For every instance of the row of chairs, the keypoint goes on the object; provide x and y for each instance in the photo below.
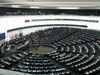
(9, 61)
(39, 66)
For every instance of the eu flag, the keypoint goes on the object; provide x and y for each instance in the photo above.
(2, 36)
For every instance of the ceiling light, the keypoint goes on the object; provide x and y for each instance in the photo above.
(15, 6)
(67, 7)
(34, 7)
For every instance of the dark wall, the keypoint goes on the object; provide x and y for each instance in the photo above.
(26, 11)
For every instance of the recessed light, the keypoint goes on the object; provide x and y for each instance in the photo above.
(34, 7)
(67, 7)
(15, 6)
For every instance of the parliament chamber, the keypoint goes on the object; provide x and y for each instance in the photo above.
(49, 37)
(76, 52)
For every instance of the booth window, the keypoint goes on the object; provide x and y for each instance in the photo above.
(27, 21)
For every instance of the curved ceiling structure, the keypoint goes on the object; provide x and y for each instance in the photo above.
(52, 4)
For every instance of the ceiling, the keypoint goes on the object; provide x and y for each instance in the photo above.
(52, 4)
